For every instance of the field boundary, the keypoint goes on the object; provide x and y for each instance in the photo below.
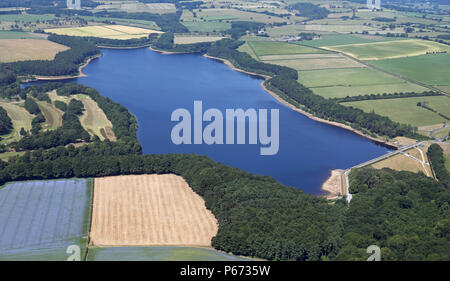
(91, 208)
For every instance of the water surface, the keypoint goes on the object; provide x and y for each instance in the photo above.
(152, 85)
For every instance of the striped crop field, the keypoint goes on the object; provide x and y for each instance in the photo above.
(41, 219)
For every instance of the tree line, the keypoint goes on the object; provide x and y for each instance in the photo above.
(65, 62)
(437, 159)
(5, 122)
(387, 96)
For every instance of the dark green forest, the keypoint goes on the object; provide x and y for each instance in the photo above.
(309, 10)
(407, 215)
(5, 122)
(436, 155)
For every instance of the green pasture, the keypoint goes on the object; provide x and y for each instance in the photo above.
(432, 69)
(405, 110)
(167, 253)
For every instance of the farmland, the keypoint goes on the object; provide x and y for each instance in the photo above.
(325, 62)
(40, 219)
(434, 68)
(133, 7)
(166, 253)
(228, 15)
(204, 27)
(20, 35)
(265, 48)
(28, 49)
(149, 210)
(179, 39)
(406, 111)
(390, 49)
(119, 32)
(344, 39)
(339, 83)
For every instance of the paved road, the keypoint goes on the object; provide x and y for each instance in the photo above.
(387, 155)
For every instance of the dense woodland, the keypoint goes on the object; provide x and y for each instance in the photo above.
(407, 215)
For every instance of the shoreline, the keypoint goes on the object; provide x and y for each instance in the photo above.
(333, 185)
(167, 52)
(65, 77)
(301, 111)
(123, 48)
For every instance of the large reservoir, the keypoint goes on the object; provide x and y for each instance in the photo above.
(152, 85)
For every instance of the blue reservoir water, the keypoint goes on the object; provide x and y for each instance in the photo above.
(153, 85)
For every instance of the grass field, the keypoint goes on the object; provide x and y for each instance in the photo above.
(265, 48)
(40, 219)
(341, 28)
(446, 147)
(53, 116)
(20, 119)
(405, 110)
(119, 32)
(344, 39)
(149, 210)
(209, 26)
(318, 63)
(95, 121)
(339, 83)
(391, 49)
(346, 77)
(195, 39)
(25, 18)
(246, 49)
(20, 35)
(408, 161)
(230, 15)
(166, 253)
(143, 23)
(28, 49)
(432, 69)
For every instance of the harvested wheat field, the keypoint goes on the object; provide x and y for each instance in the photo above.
(12, 50)
(149, 210)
